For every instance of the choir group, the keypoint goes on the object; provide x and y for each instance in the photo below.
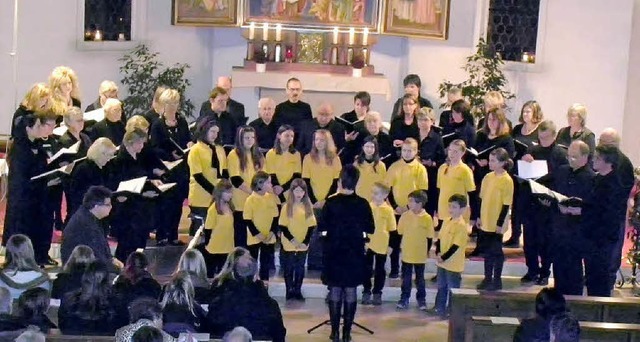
(264, 184)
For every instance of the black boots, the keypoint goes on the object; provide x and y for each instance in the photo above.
(289, 285)
(298, 278)
(497, 275)
(487, 282)
(335, 309)
(349, 314)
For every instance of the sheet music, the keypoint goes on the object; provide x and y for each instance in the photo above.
(166, 186)
(96, 115)
(73, 149)
(537, 188)
(60, 130)
(133, 185)
(505, 320)
(532, 170)
(170, 165)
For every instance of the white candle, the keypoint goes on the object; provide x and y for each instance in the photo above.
(278, 32)
(365, 36)
(525, 57)
(252, 31)
(97, 36)
(265, 31)
(335, 35)
(352, 36)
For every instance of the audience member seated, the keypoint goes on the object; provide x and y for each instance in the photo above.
(549, 303)
(10, 326)
(245, 302)
(180, 312)
(147, 334)
(84, 227)
(134, 282)
(31, 335)
(227, 270)
(564, 328)
(192, 262)
(90, 310)
(32, 308)
(142, 312)
(70, 278)
(238, 334)
(20, 271)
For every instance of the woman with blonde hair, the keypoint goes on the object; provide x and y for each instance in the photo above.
(111, 126)
(65, 90)
(36, 99)
(71, 276)
(74, 121)
(577, 129)
(192, 262)
(20, 270)
(157, 108)
(493, 100)
(181, 313)
(226, 273)
(107, 90)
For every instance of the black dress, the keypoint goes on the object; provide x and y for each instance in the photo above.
(84, 175)
(345, 219)
(17, 115)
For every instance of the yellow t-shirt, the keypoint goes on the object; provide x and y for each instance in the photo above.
(283, 165)
(453, 232)
(199, 161)
(495, 192)
(385, 222)
(298, 225)
(453, 180)
(221, 241)
(261, 209)
(403, 178)
(415, 230)
(369, 176)
(233, 162)
(321, 175)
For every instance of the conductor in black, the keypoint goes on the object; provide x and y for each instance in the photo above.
(347, 218)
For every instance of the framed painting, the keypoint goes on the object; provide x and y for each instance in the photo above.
(417, 18)
(313, 13)
(205, 12)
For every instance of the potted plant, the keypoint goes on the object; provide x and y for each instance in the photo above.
(485, 74)
(261, 60)
(357, 63)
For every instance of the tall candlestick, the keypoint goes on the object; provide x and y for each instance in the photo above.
(335, 35)
(352, 36)
(365, 36)
(278, 32)
(252, 31)
(265, 31)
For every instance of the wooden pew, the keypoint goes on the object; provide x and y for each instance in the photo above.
(502, 329)
(466, 303)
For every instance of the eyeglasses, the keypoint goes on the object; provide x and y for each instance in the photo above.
(106, 204)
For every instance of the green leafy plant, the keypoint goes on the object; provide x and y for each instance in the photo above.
(143, 73)
(485, 74)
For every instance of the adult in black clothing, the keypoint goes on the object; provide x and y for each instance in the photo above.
(536, 220)
(346, 218)
(266, 129)
(525, 135)
(324, 120)
(460, 126)
(567, 242)
(90, 310)
(36, 99)
(234, 108)
(549, 303)
(412, 86)
(577, 130)
(624, 172)
(32, 307)
(431, 153)
(27, 207)
(169, 137)
(372, 125)
(84, 228)
(245, 302)
(361, 106)
(156, 108)
(130, 220)
(107, 90)
(75, 124)
(180, 312)
(70, 278)
(218, 111)
(134, 282)
(492, 100)
(405, 124)
(111, 126)
(293, 111)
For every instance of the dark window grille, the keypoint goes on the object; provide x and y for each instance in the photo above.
(111, 17)
(513, 28)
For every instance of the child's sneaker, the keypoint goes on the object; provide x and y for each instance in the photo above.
(403, 304)
(366, 299)
(377, 300)
(422, 306)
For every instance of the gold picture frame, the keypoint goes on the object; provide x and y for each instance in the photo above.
(417, 18)
(205, 12)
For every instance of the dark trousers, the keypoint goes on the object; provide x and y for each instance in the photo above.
(394, 256)
(379, 275)
(41, 236)
(168, 216)
(129, 240)
(315, 252)
(616, 255)
(518, 211)
(55, 203)
(597, 264)
(493, 254)
(239, 230)
(293, 265)
(195, 223)
(265, 253)
(131, 226)
(214, 262)
(407, 275)
(537, 243)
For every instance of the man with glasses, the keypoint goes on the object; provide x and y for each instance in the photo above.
(293, 111)
(84, 227)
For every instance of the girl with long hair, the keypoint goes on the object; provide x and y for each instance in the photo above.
(181, 313)
(219, 228)
(193, 263)
(371, 168)
(135, 281)
(20, 270)
(71, 276)
(283, 162)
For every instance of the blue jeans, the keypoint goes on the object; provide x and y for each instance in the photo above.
(447, 280)
(407, 270)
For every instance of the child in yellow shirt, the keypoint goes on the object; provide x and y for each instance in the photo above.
(385, 222)
(371, 168)
(219, 230)
(450, 247)
(261, 218)
(416, 228)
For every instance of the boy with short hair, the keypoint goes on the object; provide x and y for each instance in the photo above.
(450, 247)
(385, 222)
(416, 228)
